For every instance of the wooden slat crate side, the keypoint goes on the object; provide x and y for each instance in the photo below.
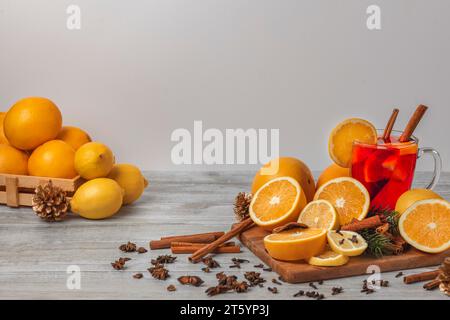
(31, 182)
(25, 199)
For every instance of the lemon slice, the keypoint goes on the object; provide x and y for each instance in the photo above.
(329, 259)
(296, 244)
(319, 214)
(347, 243)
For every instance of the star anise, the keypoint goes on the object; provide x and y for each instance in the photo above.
(210, 262)
(163, 259)
(128, 247)
(159, 272)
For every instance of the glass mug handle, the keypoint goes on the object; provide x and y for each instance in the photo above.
(437, 165)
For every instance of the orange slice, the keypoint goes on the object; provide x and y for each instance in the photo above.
(426, 225)
(348, 196)
(296, 244)
(319, 214)
(340, 144)
(277, 202)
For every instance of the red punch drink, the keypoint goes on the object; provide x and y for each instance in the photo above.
(385, 169)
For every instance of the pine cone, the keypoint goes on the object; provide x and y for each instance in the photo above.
(50, 202)
(242, 204)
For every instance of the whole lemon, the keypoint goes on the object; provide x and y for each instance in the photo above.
(130, 178)
(53, 159)
(74, 136)
(32, 121)
(290, 167)
(93, 160)
(12, 160)
(97, 199)
(408, 198)
(3, 139)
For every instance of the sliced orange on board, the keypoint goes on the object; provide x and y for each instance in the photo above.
(426, 225)
(319, 214)
(296, 244)
(340, 143)
(348, 196)
(347, 243)
(277, 202)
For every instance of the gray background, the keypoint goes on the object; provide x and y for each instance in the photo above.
(137, 70)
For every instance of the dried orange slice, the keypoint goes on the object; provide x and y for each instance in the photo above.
(296, 244)
(319, 214)
(426, 225)
(348, 196)
(329, 258)
(340, 143)
(277, 202)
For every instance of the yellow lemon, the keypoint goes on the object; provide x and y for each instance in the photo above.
(53, 159)
(12, 160)
(408, 198)
(319, 214)
(74, 136)
(97, 199)
(347, 243)
(329, 258)
(31, 122)
(94, 160)
(131, 180)
(296, 244)
(277, 202)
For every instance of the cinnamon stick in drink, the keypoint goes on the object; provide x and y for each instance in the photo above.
(413, 122)
(390, 126)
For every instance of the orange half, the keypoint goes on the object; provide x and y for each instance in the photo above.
(348, 196)
(426, 225)
(277, 202)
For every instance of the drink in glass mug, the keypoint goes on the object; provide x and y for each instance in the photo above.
(387, 168)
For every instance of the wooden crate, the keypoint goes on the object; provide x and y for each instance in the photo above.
(18, 190)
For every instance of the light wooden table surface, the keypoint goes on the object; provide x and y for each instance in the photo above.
(35, 255)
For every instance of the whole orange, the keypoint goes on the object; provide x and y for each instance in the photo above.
(12, 160)
(3, 139)
(332, 172)
(53, 159)
(32, 121)
(290, 167)
(74, 136)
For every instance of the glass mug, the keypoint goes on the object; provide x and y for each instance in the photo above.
(387, 169)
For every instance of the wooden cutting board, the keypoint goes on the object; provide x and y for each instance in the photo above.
(296, 272)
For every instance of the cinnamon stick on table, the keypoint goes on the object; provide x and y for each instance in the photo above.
(390, 126)
(236, 230)
(433, 284)
(164, 243)
(193, 249)
(413, 122)
(420, 277)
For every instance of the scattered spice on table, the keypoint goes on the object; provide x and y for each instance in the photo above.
(336, 290)
(120, 263)
(301, 293)
(274, 290)
(163, 259)
(398, 275)
(267, 269)
(138, 275)
(227, 283)
(259, 266)
(171, 288)
(254, 278)
(141, 250)
(128, 247)
(237, 262)
(366, 289)
(159, 272)
(210, 262)
(276, 282)
(312, 285)
(190, 280)
(206, 270)
(315, 295)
